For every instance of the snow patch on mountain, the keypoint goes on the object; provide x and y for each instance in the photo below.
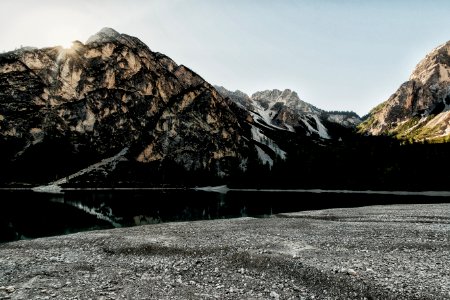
(322, 130)
(290, 128)
(259, 137)
(265, 117)
(263, 156)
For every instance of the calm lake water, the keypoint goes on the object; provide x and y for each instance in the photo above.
(27, 214)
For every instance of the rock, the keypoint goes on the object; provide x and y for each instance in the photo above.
(113, 92)
(351, 272)
(418, 109)
(274, 295)
(10, 289)
(285, 109)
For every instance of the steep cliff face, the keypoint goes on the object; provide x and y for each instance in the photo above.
(419, 109)
(111, 93)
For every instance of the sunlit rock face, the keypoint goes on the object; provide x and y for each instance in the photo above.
(110, 93)
(419, 109)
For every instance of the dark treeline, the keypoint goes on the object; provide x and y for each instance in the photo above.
(349, 161)
(367, 163)
(345, 113)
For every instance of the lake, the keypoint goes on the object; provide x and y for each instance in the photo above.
(26, 214)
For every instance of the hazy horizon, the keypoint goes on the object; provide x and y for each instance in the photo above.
(346, 55)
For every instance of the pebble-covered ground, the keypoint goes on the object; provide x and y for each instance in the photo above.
(377, 252)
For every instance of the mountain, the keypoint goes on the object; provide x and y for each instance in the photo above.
(419, 109)
(65, 109)
(280, 123)
(284, 110)
(111, 112)
(323, 150)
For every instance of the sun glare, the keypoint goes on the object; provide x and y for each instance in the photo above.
(67, 44)
(67, 50)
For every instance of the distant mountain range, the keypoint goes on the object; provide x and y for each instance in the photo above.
(275, 111)
(113, 112)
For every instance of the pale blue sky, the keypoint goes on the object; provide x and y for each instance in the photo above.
(338, 55)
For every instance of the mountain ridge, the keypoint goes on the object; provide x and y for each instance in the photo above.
(419, 109)
(112, 112)
(110, 93)
(287, 104)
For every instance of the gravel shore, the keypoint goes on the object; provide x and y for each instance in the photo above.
(376, 252)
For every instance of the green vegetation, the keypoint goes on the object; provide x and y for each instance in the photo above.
(369, 120)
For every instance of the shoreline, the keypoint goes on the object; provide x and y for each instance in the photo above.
(225, 189)
(376, 252)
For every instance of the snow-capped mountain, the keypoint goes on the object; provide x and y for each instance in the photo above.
(420, 108)
(274, 111)
(284, 110)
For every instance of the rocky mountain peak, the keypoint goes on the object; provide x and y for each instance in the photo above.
(435, 67)
(106, 34)
(420, 108)
(284, 110)
(238, 97)
(287, 97)
(112, 93)
(275, 95)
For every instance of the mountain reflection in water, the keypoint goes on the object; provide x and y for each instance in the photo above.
(26, 214)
